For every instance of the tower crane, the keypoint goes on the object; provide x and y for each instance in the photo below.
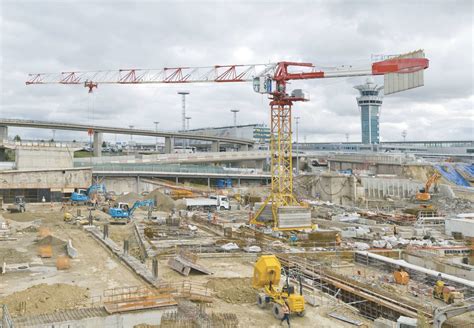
(281, 210)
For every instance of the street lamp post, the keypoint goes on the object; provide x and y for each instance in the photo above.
(156, 138)
(297, 119)
(404, 135)
(235, 111)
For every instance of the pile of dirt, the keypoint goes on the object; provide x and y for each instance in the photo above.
(50, 240)
(45, 298)
(129, 198)
(233, 290)
(58, 246)
(162, 202)
(180, 204)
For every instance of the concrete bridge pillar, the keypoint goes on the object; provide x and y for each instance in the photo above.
(97, 144)
(3, 132)
(215, 146)
(169, 145)
(244, 148)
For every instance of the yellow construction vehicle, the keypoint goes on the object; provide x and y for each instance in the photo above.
(424, 194)
(67, 217)
(401, 277)
(447, 294)
(266, 278)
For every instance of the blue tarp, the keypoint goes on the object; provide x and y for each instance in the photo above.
(467, 169)
(449, 173)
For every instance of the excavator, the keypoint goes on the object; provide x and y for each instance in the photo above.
(123, 211)
(266, 279)
(424, 193)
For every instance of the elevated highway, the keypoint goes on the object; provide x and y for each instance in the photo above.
(98, 132)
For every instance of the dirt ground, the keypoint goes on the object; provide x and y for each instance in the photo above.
(95, 269)
(233, 290)
(45, 298)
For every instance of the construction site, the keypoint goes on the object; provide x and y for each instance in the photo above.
(234, 226)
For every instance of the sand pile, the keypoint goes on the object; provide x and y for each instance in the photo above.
(129, 198)
(58, 246)
(233, 290)
(162, 202)
(45, 298)
(180, 204)
(50, 240)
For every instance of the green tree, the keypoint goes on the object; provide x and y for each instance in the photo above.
(104, 144)
(17, 138)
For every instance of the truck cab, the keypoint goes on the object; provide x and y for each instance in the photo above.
(223, 202)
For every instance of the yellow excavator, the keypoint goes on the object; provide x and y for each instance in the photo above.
(424, 194)
(266, 278)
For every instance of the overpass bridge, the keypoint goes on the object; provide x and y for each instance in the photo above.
(98, 132)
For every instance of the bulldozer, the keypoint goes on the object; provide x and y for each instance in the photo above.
(447, 294)
(266, 279)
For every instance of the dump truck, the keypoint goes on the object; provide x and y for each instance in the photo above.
(212, 203)
(266, 279)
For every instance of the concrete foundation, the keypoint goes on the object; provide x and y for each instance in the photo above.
(338, 189)
(37, 158)
(431, 262)
(60, 179)
(379, 188)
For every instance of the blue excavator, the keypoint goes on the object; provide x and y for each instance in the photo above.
(123, 211)
(89, 195)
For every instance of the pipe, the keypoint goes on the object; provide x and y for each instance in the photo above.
(429, 272)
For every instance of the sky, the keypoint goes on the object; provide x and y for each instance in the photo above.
(56, 36)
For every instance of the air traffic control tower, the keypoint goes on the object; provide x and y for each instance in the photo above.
(369, 102)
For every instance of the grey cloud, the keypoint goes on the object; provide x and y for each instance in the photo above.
(54, 37)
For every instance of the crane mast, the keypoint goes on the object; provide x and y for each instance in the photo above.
(286, 213)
